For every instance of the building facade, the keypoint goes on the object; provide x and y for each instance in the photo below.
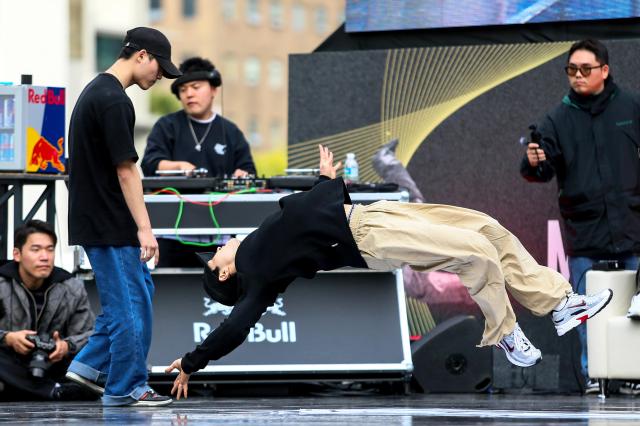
(249, 42)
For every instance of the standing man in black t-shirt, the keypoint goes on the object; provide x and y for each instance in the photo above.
(108, 218)
(195, 137)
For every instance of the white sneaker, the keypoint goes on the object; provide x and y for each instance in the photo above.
(576, 309)
(630, 388)
(634, 308)
(519, 349)
(591, 386)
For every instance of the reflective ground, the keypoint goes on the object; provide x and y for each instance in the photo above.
(416, 409)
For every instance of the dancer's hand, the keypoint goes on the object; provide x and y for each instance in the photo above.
(181, 383)
(326, 163)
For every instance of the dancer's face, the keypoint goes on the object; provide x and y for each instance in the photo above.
(224, 259)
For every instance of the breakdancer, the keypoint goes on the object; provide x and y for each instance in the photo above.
(321, 230)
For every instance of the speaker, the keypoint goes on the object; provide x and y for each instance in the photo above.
(447, 359)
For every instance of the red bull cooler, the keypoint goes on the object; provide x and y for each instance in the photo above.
(32, 129)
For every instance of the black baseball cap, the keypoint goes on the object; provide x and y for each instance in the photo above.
(225, 292)
(154, 42)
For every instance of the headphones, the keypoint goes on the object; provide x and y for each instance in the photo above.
(213, 77)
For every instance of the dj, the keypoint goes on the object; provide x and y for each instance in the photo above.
(197, 137)
(194, 138)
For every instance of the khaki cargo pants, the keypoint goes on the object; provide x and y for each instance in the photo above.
(488, 259)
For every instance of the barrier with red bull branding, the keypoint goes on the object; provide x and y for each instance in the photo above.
(32, 129)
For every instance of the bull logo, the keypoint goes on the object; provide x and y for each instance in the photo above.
(276, 308)
(214, 307)
(44, 153)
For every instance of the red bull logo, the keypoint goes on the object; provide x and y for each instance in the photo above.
(42, 154)
(285, 333)
(46, 97)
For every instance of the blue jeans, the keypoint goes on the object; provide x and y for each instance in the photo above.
(578, 267)
(116, 353)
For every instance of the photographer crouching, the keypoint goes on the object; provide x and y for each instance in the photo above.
(45, 319)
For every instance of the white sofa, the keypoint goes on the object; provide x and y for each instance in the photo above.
(613, 340)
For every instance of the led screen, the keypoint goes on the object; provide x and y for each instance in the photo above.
(385, 15)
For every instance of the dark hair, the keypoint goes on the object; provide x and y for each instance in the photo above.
(196, 64)
(128, 51)
(594, 46)
(32, 227)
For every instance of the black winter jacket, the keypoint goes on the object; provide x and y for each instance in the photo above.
(593, 149)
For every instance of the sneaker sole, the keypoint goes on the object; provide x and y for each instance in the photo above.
(515, 361)
(574, 322)
(592, 391)
(88, 384)
(151, 403)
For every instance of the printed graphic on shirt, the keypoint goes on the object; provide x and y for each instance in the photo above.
(220, 149)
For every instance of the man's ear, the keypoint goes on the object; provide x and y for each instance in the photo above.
(140, 55)
(16, 254)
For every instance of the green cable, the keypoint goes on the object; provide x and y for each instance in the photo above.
(213, 216)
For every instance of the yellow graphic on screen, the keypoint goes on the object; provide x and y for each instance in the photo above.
(41, 153)
(421, 88)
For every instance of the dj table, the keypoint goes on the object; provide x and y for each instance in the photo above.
(236, 213)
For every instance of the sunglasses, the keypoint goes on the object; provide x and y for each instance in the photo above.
(585, 70)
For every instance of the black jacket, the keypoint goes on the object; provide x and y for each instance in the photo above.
(593, 149)
(224, 150)
(308, 234)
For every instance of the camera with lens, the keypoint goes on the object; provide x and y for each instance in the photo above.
(534, 137)
(39, 363)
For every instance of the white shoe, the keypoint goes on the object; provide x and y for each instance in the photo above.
(634, 308)
(591, 386)
(576, 309)
(519, 349)
(630, 388)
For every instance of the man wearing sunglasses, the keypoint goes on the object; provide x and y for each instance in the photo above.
(591, 143)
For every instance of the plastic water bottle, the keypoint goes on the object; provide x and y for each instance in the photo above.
(351, 168)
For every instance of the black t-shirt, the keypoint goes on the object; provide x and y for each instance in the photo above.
(223, 150)
(100, 138)
(39, 296)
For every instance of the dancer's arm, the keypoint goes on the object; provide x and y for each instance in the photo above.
(233, 330)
